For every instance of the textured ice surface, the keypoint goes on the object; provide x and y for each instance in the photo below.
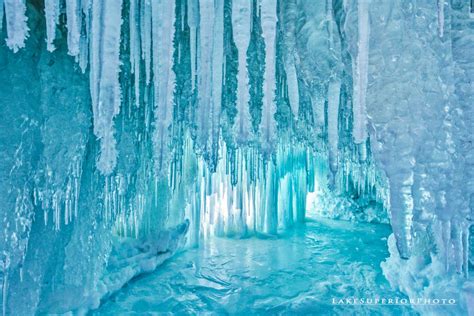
(298, 273)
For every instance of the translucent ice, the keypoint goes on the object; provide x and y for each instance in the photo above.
(121, 119)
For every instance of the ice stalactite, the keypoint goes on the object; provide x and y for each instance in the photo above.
(210, 64)
(269, 203)
(52, 11)
(1, 14)
(217, 80)
(360, 73)
(163, 79)
(312, 40)
(268, 124)
(17, 29)
(83, 58)
(290, 15)
(135, 51)
(441, 17)
(74, 25)
(146, 34)
(193, 21)
(104, 77)
(318, 104)
(241, 20)
(333, 126)
(334, 90)
(204, 81)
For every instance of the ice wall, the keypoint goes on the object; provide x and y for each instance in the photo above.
(122, 118)
(416, 104)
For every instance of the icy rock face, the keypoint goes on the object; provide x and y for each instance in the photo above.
(123, 118)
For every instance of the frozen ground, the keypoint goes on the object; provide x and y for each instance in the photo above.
(300, 272)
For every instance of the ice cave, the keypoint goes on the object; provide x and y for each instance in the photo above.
(236, 157)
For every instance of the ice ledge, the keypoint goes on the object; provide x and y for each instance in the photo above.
(129, 259)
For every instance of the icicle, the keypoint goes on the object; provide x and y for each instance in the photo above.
(441, 17)
(51, 8)
(333, 113)
(270, 202)
(84, 39)
(17, 30)
(135, 47)
(1, 14)
(360, 74)
(446, 236)
(289, 20)
(193, 21)
(6, 265)
(210, 62)
(74, 22)
(163, 77)
(104, 71)
(268, 124)
(217, 76)
(465, 251)
(317, 103)
(241, 19)
(401, 211)
(146, 32)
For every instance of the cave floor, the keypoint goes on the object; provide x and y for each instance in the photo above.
(301, 272)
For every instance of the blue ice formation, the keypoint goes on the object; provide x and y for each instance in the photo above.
(121, 119)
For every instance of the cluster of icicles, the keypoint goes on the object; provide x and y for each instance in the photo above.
(95, 42)
(244, 179)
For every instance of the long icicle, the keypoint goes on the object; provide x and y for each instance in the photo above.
(135, 47)
(360, 75)
(74, 22)
(163, 77)
(104, 77)
(268, 124)
(241, 19)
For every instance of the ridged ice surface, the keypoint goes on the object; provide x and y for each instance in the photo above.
(300, 272)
